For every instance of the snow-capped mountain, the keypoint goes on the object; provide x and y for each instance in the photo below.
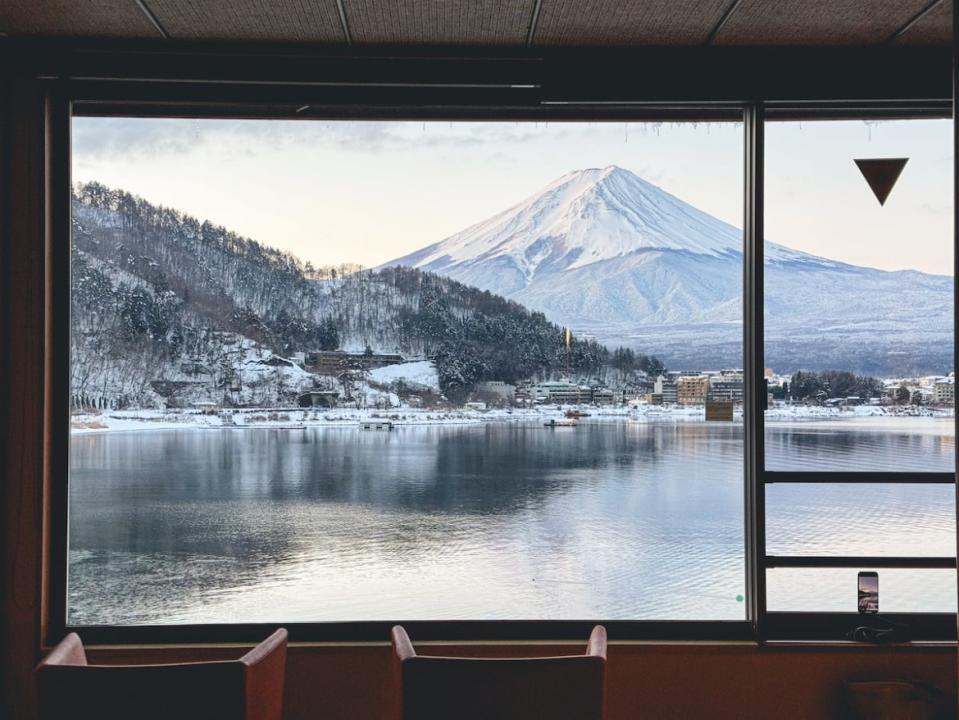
(612, 255)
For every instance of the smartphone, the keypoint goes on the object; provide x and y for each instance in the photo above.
(868, 592)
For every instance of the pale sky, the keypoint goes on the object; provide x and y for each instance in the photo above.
(367, 192)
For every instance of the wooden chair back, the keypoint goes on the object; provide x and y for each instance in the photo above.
(250, 688)
(548, 688)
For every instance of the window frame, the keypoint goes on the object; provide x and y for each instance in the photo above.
(93, 94)
(790, 625)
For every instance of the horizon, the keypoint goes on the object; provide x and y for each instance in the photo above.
(216, 174)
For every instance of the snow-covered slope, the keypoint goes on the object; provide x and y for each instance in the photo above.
(584, 218)
(612, 255)
(418, 374)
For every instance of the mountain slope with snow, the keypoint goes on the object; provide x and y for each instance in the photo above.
(168, 309)
(612, 255)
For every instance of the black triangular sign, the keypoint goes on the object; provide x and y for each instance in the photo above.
(881, 174)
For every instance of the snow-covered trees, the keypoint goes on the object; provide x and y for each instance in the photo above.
(156, 291)
(813, 386)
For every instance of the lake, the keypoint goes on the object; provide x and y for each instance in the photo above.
(508, 520)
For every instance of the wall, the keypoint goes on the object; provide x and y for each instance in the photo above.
(339, 682)
(645, 680)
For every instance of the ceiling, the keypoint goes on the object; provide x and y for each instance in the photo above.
(507, 23)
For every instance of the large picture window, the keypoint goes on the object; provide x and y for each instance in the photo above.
(349, 371)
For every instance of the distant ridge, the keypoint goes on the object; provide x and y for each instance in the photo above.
(615, 256)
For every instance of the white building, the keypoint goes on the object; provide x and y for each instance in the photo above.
(944, 391)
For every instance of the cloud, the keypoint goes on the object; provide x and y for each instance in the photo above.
(143, 138)
(98, 138)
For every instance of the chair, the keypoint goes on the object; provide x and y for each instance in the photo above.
(250, 688)
(547, 688)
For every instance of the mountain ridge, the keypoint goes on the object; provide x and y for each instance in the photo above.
(615, 256)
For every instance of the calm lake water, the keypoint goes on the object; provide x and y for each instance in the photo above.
(608, 520)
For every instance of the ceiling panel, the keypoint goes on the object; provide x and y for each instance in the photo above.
(89, 18)
(817, 22)
(289, 20)
(613, 22)
(472, 22)
(491, 22)
(933, 28)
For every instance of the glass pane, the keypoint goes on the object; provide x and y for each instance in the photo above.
(462, 372)
(836, 590)
(858, 297)
(861, 520)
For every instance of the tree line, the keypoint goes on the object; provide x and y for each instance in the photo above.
(829, 384)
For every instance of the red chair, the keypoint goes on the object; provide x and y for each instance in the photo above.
(543, 688)
(250, 688)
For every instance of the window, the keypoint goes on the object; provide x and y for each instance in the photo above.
(859, 434)
(342, 373)
(367, 371)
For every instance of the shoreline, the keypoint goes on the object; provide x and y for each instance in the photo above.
(343, 418)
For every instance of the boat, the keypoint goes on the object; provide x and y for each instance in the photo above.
(554, 423)
(376, 425)
(576, 414)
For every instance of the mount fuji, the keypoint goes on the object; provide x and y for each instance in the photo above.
(614, 256)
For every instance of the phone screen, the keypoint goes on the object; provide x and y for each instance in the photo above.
(868, 592)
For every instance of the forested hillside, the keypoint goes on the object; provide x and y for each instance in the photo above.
(161, 299)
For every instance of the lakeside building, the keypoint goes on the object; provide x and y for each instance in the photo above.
(665, 389)
(333, 362)
(602, 396)
(567, 393)
(727, 386)
(692, 389)
(557, 392)
(844, 402)
(944, 391)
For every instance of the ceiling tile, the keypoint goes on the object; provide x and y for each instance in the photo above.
(90, 18)
(471, 22)
(933, 28)
(817, 22)
(269, 20)
(613, 22)
(490, 22)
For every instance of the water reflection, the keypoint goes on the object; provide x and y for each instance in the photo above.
(608, 520)
(879, 444)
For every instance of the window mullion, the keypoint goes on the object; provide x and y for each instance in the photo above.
(753, 368)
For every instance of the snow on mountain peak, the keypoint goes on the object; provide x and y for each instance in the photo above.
(583, 217)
